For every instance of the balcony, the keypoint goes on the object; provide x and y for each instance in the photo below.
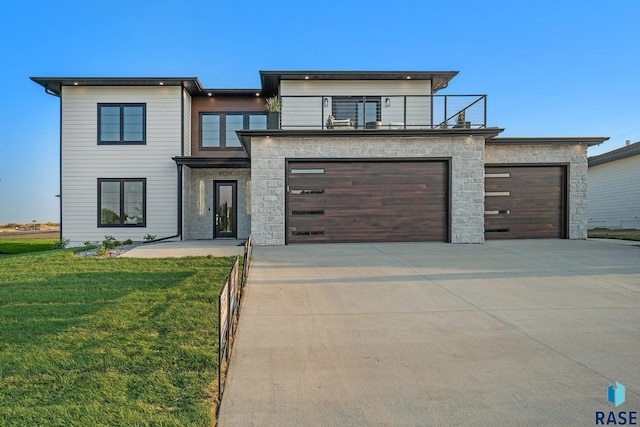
(384, 112)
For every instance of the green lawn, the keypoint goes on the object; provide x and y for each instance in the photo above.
(20, 246)
(91, 342)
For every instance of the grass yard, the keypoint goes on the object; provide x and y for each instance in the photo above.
(621, 234)
(20, 246)
(121, 341)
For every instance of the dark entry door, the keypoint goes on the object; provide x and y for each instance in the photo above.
(225, 223)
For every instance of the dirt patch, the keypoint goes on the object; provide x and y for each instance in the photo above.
(42, 234)
(625, 234)
(49, 230)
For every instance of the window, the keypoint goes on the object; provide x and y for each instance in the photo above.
(122, 202)
(360, 109)
(218, 130)
(121, 124)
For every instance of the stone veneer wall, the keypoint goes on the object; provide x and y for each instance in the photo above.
(199, 199)
(268, 176)
(575, 155)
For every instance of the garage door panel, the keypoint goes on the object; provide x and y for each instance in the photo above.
(368, 201)
(525, 202)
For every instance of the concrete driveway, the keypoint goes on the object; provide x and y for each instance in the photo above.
(505, 333)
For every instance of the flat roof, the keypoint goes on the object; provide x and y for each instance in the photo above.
(246, 135)
(271, 79)
(548, 140)
(54, 84)
(617, 154)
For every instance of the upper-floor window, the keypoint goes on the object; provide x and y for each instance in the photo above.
(218, 130)
(359, 109)
(121, 123)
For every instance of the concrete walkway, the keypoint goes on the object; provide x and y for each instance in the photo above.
(506, 333)
(217, 248)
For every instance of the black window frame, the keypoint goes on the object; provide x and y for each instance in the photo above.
(122, 105)
(223, 127)
(122, 181)
(356, 100)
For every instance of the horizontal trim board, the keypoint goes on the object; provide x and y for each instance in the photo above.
(497, 193)
(307, 171)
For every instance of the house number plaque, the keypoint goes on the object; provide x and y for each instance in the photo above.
(225, 173)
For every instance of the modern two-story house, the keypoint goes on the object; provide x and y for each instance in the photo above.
(372, 156)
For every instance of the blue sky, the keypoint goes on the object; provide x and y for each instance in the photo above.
(549, 68)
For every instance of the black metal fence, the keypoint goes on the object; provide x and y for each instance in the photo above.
(384, 112)
(229, 311)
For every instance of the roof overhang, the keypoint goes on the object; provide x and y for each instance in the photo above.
(54, 85)
(572, 140)
(617, 154)
(271, 79)
(242, 93)
(211, 162)
(246, 135)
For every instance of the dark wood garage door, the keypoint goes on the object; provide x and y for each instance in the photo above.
(367, 201)
(525, 202)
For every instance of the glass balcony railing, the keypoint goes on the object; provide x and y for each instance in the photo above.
(384, 112)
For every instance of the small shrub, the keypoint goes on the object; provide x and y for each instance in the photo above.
(109, 242)
(273, 104)
(149, 237)
(60, 244)
(128, 242)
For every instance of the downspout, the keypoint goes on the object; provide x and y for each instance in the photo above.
(59, 95)
(180, 201)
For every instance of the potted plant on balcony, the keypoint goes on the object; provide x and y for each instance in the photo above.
(273, 112)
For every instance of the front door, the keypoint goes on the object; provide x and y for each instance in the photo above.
(225, 224)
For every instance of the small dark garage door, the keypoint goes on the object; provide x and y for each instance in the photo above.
(367, 201)
(525, 202)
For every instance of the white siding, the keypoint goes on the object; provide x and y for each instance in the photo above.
(307, 111)
(613, 194)
(355, 87)
(186, 99)
(303, 113)
(84, 161)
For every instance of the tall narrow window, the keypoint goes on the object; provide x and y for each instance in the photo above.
(122, 202)
(234, 122)
(121, 124)
(210, 124)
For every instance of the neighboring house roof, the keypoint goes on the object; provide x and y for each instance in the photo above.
(620, 153)
(54, 85)
(439, 79)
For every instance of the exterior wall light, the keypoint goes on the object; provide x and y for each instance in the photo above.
(387, 102)
(326, 102)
